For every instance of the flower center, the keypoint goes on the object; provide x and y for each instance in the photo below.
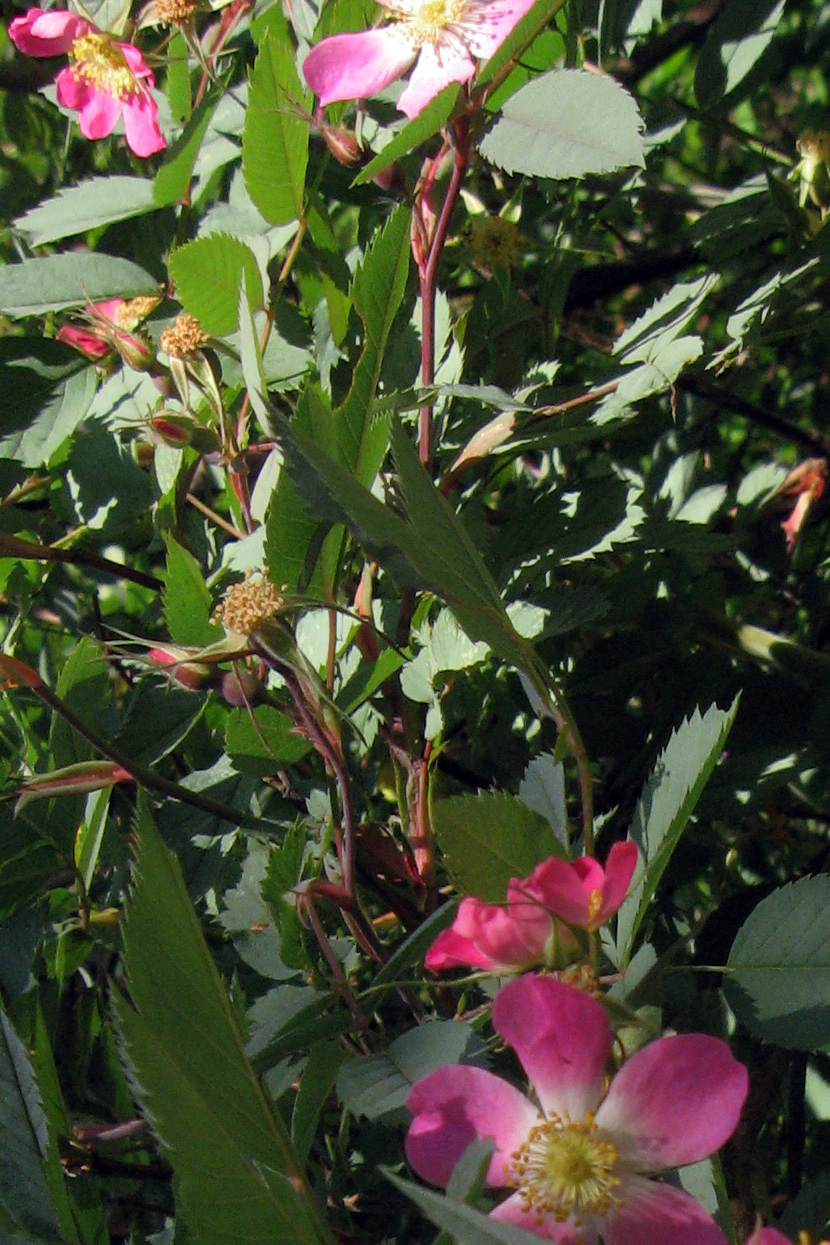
(594, 905)
(428, 19)
(565, 1169)
(100, 62)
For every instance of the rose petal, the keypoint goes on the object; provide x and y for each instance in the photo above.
(619, 870)
(513, 1211)
(39, 33)
(72, 92)
(490, 24)
(352, 66)
(562, 1038)
(137, 63)
(141, 124)
(456, 1105)
(453, 950)
(436, 68)
(658, 1214)
(768, 1236)
(98, 116)
(674, 1102)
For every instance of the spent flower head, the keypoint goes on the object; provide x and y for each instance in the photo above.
(579, 1154)
(249, 605)
(184, 337)
(105, 79)
(442, 38)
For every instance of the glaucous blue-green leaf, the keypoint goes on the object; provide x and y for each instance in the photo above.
(316, 1084)
(374, 1085)
(208, 273)
(489, 838)
(668, 801)
(24, 1192)
(186, 600)
(69, 280)
(733, 45)
(237, 1177)
(94, 202)
(567, 123)
(778, 979)
(275, 139)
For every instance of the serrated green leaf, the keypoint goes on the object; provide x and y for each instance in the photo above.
(567, 123)
(237, 1176)
(173, 178)
(668, 801)
(69, 280)
(96, 201)
(429, 121)
(376, 292)
(24, 1192)
(208, 274)
(779, 967)
(489, 838)
(374, 1085)
(185, 598)
(264, 741)
(275, 139)
(317, 1082)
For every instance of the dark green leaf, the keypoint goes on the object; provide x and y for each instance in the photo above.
(489, 838)
(187, 602)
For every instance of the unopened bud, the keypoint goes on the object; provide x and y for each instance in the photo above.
(242, 689)
(134, 350)
(87, 341)
(72, 780)
(196, 676)
(343, 145)
(392, 179)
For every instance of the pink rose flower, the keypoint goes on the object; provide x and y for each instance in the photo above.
(525, 931)
(771, 1236)
(580, 1153)
(445, 37)
(105, 80)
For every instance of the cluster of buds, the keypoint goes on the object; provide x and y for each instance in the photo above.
(238, 687)
(112, 325)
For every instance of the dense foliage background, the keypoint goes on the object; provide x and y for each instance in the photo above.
(601, 611)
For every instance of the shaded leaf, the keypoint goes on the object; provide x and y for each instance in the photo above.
(779, 982)
(75, 209)
(374, 1085)
(489, 838)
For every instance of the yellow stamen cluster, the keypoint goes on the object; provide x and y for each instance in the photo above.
(184, 337)
(174, 12)
(594, 905)
(248, 606)
(565, 1169)
(495, 242)
(427, 21)
(581, 977)
(100, 62)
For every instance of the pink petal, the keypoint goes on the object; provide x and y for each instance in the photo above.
(674, 1102)
(457, 1104)
(141, 124)
(99, 114)
(491, 23)
(107, 310)
(562, 1038)
(72, 92)
(85, 340)
(513, 1211)
(452, 950)
(768, 1236)
(352, 66)
(619, 870)
(437, 67)
(137, 63)
(658, 1214)
(560, 887)
(39, 33)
